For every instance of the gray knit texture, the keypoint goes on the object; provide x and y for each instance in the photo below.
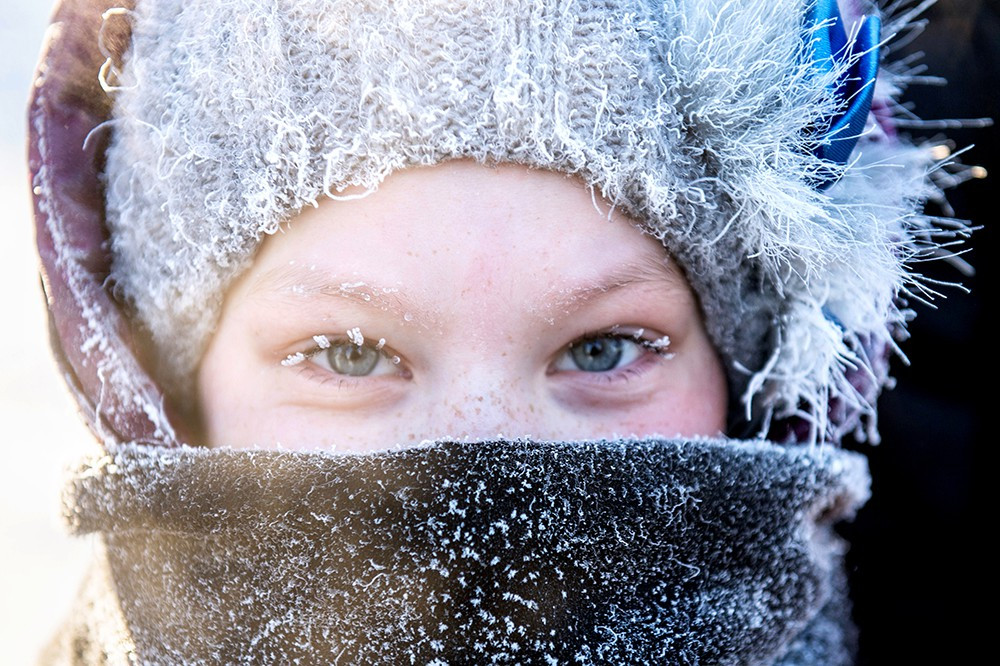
(506, 552)
(693, 116)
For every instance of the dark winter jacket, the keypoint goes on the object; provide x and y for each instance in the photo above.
(519, 552)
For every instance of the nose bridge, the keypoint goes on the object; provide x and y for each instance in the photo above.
(485, 379)
(482, 401)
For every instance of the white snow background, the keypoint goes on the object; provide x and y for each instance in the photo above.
(40, 566)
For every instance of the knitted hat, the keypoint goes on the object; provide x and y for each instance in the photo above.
(727, 129)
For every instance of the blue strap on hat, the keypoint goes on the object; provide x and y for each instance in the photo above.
(855, 87)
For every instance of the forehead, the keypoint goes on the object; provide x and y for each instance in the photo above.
(459, 229)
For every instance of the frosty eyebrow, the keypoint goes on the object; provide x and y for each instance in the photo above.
(307, 282)
(659, 272)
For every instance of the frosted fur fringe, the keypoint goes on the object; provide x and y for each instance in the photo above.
(697, 117)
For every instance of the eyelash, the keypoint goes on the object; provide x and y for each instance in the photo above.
(658, 346)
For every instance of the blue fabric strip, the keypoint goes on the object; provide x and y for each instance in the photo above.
(837, 136)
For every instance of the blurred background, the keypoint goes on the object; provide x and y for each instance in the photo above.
(919, 560)
(39, 565)
(918, 550)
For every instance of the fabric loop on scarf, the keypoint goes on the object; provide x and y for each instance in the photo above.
(855, 85)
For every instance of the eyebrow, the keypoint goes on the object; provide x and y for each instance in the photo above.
(569, 298)
(308, 282)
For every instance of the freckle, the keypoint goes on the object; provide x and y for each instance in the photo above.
(411, 437)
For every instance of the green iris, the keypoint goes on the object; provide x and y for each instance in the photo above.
(347, 358)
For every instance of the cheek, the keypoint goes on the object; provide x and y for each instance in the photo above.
(694, 405)
(216, 399)
(234, 404)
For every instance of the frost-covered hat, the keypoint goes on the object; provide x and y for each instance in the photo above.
(742, 135)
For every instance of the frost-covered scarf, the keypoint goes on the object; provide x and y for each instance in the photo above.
(508, 552)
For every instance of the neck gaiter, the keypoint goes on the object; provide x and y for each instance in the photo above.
(499, 552)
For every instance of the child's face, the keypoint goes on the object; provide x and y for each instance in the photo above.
(486, 301)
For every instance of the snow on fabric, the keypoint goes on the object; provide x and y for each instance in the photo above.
(506, 552)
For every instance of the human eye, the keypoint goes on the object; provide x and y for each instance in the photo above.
(350, 357)
(611, 351)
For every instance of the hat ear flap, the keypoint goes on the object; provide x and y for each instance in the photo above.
(857, 61)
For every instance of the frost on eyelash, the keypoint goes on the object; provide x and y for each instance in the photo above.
(661, 343)
(322, 341)
(381, 343)
(660, 347)
(293, 359)
(355, 336)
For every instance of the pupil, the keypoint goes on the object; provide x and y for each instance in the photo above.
(597, 355)
(350, 359)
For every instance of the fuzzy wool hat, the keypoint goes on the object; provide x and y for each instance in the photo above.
(750, 137)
